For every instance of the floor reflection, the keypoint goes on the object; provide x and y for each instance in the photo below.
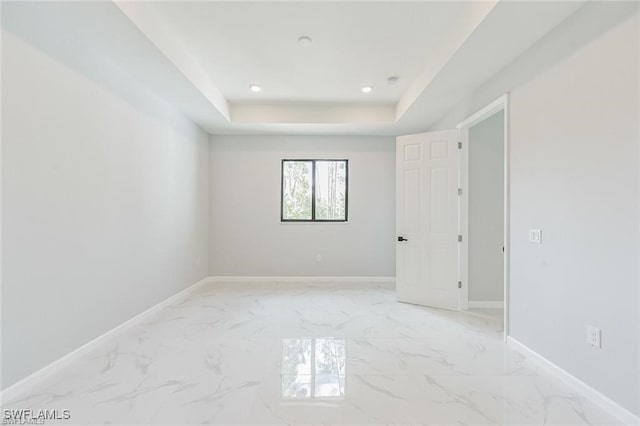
(313, 368)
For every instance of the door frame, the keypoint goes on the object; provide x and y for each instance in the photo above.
(500, 104)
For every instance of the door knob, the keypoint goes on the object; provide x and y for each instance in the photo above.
(402, 239)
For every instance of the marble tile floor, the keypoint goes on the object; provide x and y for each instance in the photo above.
(309, 354)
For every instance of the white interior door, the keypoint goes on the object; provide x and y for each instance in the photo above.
(427, 219)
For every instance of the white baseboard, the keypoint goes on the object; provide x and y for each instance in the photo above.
(302, 280)
(17, 389)
(487, 304)
(604, 402)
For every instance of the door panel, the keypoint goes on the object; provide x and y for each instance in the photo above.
(427, 217)
(412, 186)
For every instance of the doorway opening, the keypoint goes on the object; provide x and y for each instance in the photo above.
(432, 215)
(483, 214)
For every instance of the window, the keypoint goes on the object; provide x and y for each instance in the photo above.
(314, 190)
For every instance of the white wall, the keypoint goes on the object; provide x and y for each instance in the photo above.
(574, 159)
(104, 205)
(574, 131)
(247, 237)
(486, 209)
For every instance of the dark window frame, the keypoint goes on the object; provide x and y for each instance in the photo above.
(313, 189)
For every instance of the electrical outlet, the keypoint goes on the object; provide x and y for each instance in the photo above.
(535, 236)
(318, 258)
(593, 336)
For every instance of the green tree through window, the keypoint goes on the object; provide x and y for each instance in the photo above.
(314, 190)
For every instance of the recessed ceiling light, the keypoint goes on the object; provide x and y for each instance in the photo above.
(367, 89)
(255, 87)
(305, 40)
(393, 79)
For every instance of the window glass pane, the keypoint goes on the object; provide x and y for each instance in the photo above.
(331, 185)
(296, 190)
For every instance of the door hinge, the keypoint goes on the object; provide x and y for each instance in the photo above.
(459, 238)
(459, 145)
(459, 284)
(459, 191)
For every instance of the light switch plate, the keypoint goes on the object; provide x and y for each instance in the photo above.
(535, 236)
